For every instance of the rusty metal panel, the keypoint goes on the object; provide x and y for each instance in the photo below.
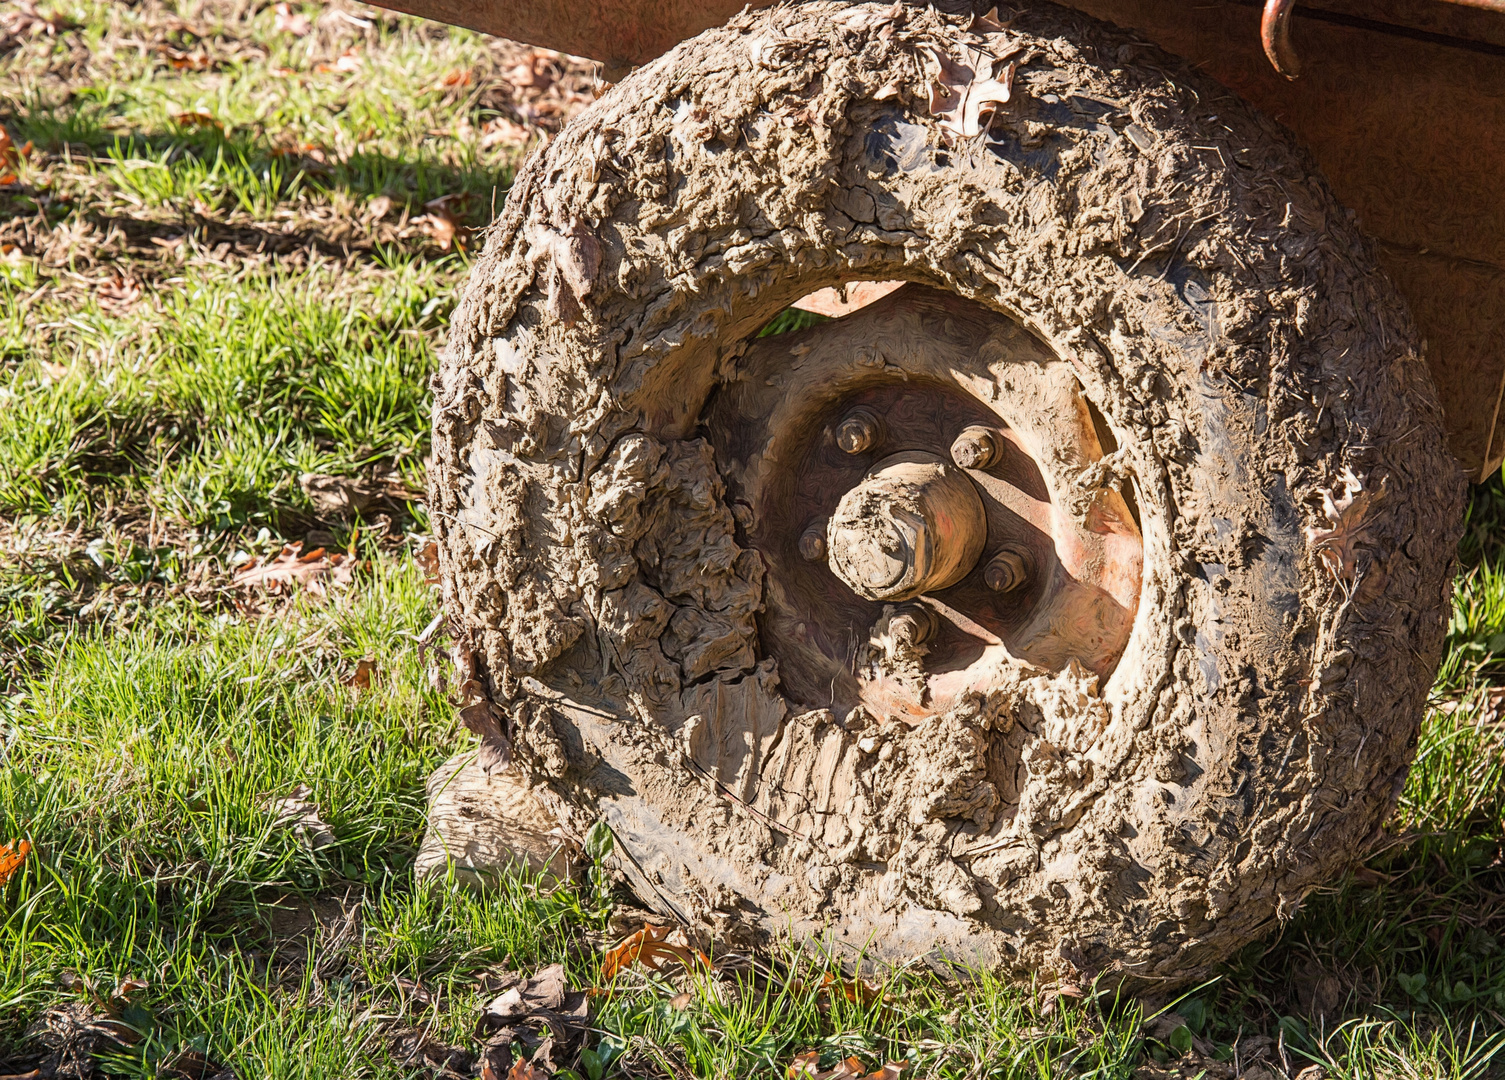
(620, 33)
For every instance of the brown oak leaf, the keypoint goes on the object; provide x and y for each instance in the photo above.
(964, 94)
(1336, 544)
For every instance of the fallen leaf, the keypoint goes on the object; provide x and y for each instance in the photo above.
(861, 18)
(9, 179)
(455, 77)
(118, 292)
(988, 24)
(499, 130)
(573, 259)
(650, 948)
(442, 221)
(543, 1001)
(284, 72)
(536, 72)
(338, 496)
(360, 678)
(315, 571)
(491, 724)
(523, 1070)
(427, 559)
(1368, 877)
(347, 62)
(808, 1065)
(11, 858)
(681, 1002)
(10, 153)
(197, 120)
(379, 207)
(292, 22)
(182, 61)
(964, 94)
(1336, 545)
(296, 810)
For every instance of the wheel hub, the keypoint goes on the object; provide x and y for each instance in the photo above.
(909, 475)
(914, 524)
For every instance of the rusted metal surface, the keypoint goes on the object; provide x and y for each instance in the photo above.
(620, 33)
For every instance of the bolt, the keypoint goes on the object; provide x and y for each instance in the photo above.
(912, 625)
(813, 542)
(859, 431)
(976, 447)
(1008, 570)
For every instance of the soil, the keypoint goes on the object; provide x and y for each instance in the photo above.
(1259, 378)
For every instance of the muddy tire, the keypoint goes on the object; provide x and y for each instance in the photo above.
(1169, 678)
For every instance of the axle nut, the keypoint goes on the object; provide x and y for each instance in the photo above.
(914, 524)
(859, 431)
(1008, 570)
(977, 447)
(912, 625)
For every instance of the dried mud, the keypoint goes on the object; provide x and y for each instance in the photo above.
(1227, 321)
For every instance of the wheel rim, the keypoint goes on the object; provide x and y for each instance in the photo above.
(913, 476)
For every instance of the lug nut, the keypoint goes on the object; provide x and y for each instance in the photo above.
(1008, 570)
(813, 542)
(912, 625)
(859, 431)
(977, 447)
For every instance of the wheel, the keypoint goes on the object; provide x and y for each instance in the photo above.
(1070, 609)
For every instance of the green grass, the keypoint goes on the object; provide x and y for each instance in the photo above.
(289, 313)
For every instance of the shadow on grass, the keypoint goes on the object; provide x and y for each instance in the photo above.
(193, 169)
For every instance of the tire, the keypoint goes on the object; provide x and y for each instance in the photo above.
(1185, 343)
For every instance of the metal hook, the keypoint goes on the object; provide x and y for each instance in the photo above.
(1275, 35)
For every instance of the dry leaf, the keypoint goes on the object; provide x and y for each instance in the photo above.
(536, 72)
(428, 561)
(379, 207)
(182, 61)
(499, 130)
(864, 17)
(10, 153)
(808, 1065)
(573, 258)
(1337, 544)
(292, 22)
(650, 948)
(681, 1002)
(119, 292)
(296, 810)
(11, 858)
(360, 678)
(196, 120)
(455, 77)
(348, 62)
(315, 571)
(988, 24)
(442, 221)
(522, 1069)
(964, 94)
(338, 496)
(490, 723)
